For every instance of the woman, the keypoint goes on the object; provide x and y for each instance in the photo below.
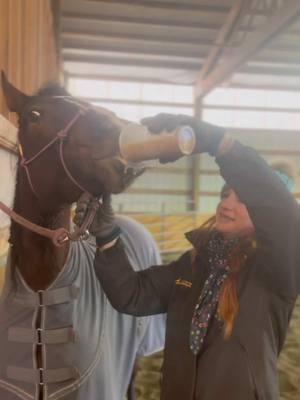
(228, 300)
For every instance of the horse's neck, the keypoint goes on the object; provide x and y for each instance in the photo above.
(38, 260)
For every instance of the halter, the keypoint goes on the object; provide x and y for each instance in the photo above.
(60, 136)
(61, 235)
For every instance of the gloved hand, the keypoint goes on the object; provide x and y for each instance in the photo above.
(104, 226)
(208, 137)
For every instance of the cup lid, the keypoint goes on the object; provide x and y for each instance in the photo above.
(186, 139)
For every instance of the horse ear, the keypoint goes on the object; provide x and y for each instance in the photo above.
(15, 99)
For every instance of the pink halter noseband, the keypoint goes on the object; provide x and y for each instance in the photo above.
(61, 235)
(60, 136)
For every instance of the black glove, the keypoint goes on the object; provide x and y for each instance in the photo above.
(208, 137)
(104, 226)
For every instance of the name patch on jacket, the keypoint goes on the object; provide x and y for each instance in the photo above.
(183, 282)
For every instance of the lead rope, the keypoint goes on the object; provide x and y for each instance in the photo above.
(60, 235)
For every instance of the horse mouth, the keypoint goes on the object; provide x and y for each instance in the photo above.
(122, 175)
(127, 173)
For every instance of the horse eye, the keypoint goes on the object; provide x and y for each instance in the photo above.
(34, 116)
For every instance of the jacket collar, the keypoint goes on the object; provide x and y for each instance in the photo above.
(192, 236)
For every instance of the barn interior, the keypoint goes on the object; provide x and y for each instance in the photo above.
(233, 63)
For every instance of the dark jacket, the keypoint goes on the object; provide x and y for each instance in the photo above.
(244, 366)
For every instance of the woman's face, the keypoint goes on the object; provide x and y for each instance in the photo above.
(232, 217)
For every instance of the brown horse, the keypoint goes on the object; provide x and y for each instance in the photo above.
(90, 152)
(66, 146)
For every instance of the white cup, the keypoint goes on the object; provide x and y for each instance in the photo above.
(139, 146)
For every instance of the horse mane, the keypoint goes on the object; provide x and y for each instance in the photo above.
(49, 89)
(15, 229)
(52, 89)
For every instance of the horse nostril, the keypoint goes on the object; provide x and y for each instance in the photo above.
(128, 170)
(120, 167)
(134, 171)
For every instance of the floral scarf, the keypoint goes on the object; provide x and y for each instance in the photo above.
(217, 251)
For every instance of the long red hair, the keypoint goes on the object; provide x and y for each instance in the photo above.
(228, 304)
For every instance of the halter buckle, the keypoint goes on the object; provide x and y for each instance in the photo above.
(62, 134)
(23, 162)
(85, 235)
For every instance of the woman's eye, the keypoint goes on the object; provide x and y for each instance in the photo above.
(34, 116)
(224, 195)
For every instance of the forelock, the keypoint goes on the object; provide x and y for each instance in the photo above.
(52, 89)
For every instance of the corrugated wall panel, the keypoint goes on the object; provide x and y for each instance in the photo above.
(29, 57)
(28, 49)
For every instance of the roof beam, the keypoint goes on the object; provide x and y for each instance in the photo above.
(122, 78)
(276, 87)
(276, 58)
(135, 62)
(252, 45)
(133, 48)
(189, 6)
(138, 102)
(92, 40)
(142, 19)
(233, 17)
(120, 11)
(253, 108)
(290, 71)
(77, 34)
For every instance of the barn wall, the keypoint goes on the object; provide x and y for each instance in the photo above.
(8, 168)
(28, 45)
(29, 56)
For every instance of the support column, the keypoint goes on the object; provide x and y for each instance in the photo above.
(195, 164)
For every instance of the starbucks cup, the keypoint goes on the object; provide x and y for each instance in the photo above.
(137, 145)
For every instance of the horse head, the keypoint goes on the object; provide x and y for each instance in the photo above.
(67, 145)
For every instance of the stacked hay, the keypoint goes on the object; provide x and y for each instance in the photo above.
(149, 377)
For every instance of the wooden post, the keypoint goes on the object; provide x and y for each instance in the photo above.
(28, 51)
(3, 47)
(195, 165)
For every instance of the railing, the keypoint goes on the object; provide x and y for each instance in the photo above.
(168, 229)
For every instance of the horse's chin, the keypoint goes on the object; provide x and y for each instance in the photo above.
(124, 181)
(115, 176)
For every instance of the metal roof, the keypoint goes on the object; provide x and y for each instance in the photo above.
(245, 43)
